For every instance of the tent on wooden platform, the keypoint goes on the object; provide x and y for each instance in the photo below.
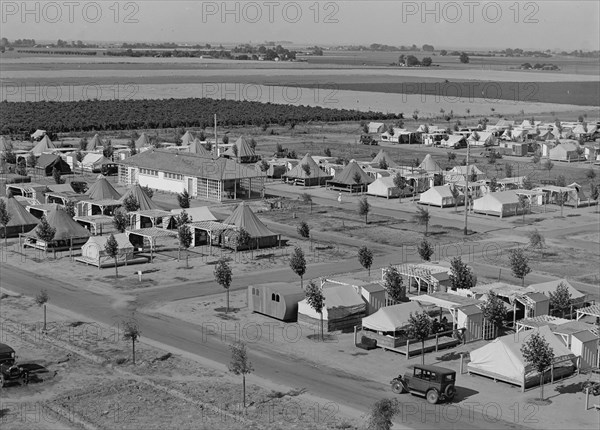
(68, 233)
(93, 252)
(243, 218)
(383, 156)
(344, 309)
(142, 198)
(503, 360)
(103, 190)
(351, 179)
(315, 176)
(21, 221)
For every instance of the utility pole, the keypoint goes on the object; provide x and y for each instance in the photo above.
(216, 141)
(467, 188)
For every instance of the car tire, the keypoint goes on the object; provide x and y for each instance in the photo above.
(450, 392)
(398, 387)
(433, 396)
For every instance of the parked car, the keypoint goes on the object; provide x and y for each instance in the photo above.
(433, 382)
(9, 371)
(365, 139)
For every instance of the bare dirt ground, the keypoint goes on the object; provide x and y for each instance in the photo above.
(92, 383)
(301, 342)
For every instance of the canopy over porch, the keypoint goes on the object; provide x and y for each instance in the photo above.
(151, 235)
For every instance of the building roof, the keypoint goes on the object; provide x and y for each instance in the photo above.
(585, 336)
(153, 232)
(391, 318)
(503, 197)
(550, 287)
(103, 190)
(18, 214)
(383, 155)
(211, 225)
(446, 300)
(243, 217)
(191, 165)
(346, 176)
(144, 201)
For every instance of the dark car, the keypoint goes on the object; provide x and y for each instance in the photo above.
(108, 169)
(9, 371)
(79, 186)
(365, 139)
(433, 382)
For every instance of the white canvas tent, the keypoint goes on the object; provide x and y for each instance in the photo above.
(344, 308)
(503, 203)
(503, 360)
(441, 196)
(391, 318)
(94, 251)
(384, 187)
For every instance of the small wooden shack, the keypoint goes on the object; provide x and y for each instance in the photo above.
(277, 300)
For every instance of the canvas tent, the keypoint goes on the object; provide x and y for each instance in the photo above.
(93, 251)
(142, 198)
(441, 196)
(201, 213)
(94, 160)
(68, 233)
(196, 147)
(345, 180)
(46, 164)
(21, 221)
(5, 144)
(243, 217)
(299, 176)
(503, 203)
(391, 319)
(565, 151)
(384, 156)
(187, 138)
(547, 288)
(454, 141)
(142, 141)
(103, 190)
(94, 143)
(245, 153)
(44, 145)
(344, 308)
(503, 360)
(278, 300)
(430, 165)
(375, 127)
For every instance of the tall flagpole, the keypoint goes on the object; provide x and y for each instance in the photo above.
(467, 187)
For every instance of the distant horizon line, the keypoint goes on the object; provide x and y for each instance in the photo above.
(305, 44)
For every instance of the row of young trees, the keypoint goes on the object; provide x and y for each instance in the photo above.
(88, 115)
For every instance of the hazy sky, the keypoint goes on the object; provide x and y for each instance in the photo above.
(461, 24)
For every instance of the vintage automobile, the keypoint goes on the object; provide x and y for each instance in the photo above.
(433, 382)
(9, 371)
(365, 139)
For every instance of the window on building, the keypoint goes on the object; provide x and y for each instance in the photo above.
(174, 176)
(277, 297)
(149, 172)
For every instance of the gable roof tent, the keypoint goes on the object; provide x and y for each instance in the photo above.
(430, 165)
(142, 198)
(201, 213)
(441, 195)
(103, 190)
(345, 178)
(94, 143)
(187, 138)
(142, 141)
(5, 144)
(94, 159)
(44, 145)
(243, 217)
(502, 358)
(48, 162)
(191, 165)
(383, 155)
(391, 318)
(197, 148)
(375, 127)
